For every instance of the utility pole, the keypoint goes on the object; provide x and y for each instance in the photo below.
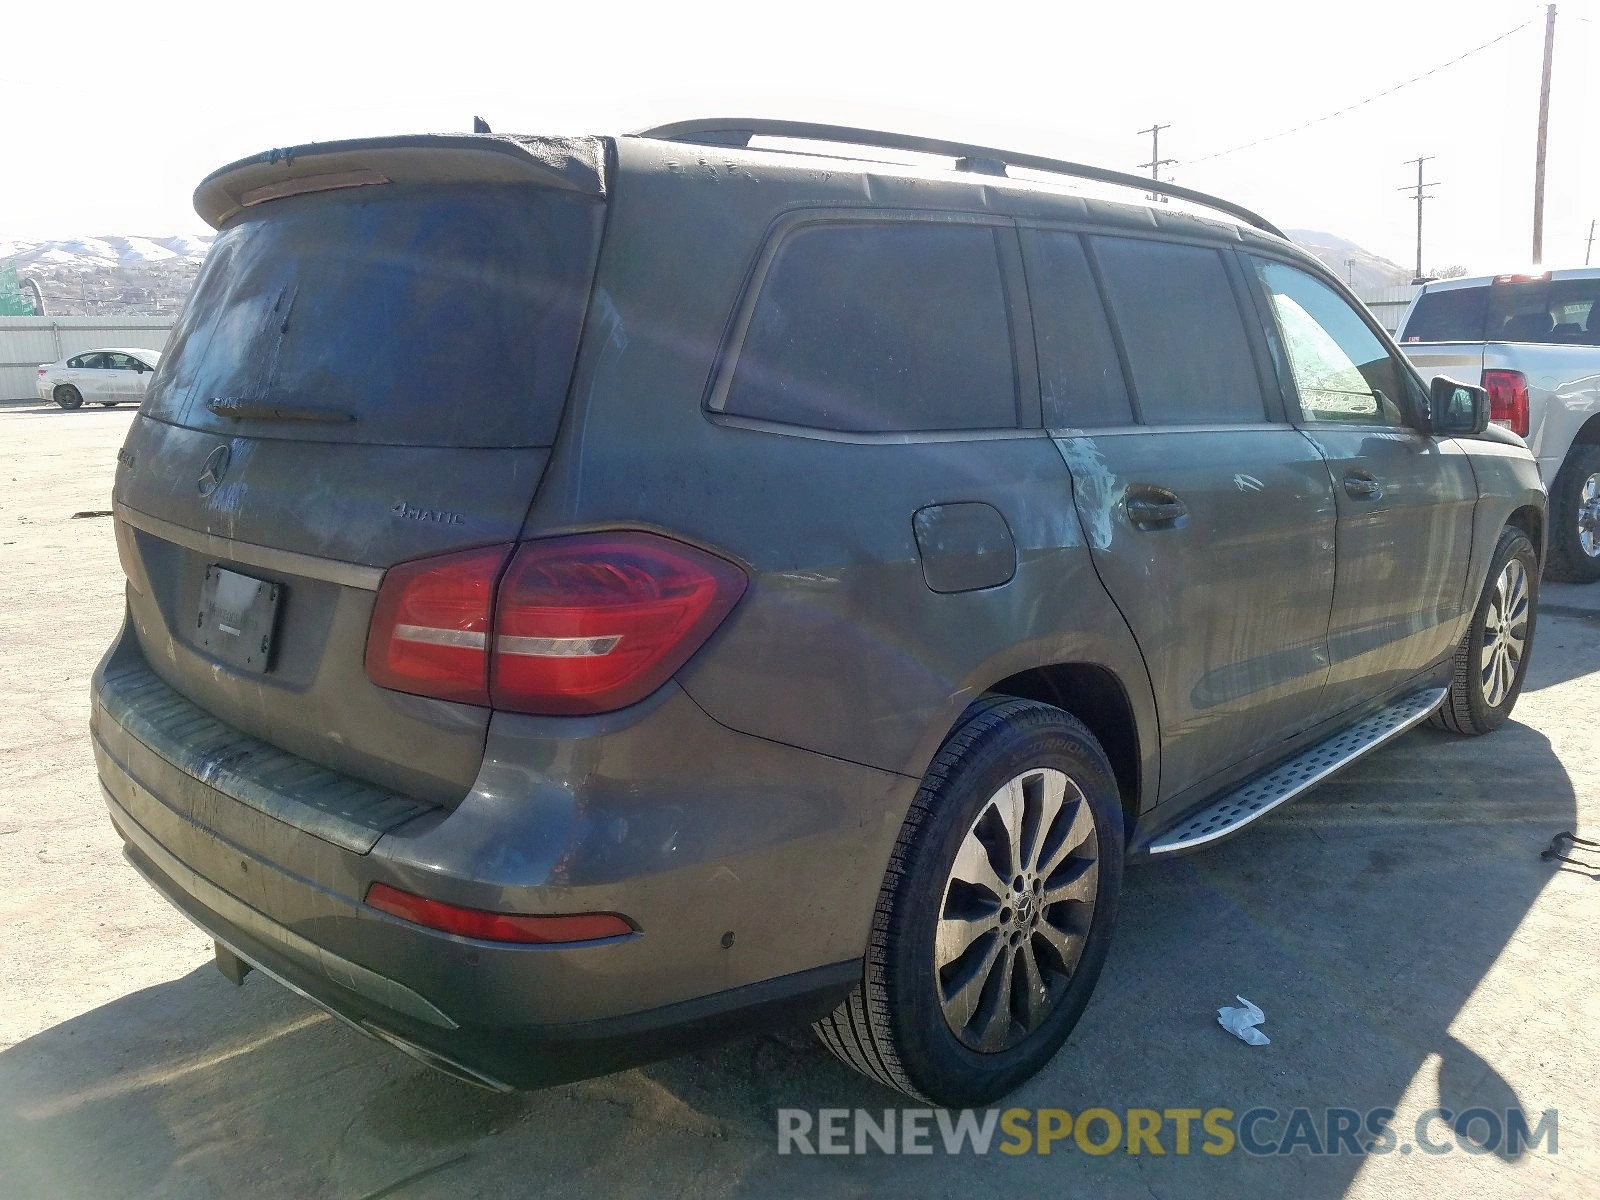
(1544, 129)
(1419, 196)
(1156, 161)
(1350, 271)
(1590, 246)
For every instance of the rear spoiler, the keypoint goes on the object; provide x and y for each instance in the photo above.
(572, 164)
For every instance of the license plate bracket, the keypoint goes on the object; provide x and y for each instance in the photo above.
(237, 617)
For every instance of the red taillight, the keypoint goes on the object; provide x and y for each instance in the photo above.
(591, 623)
(493, 926)
(430, 625)
(582, 624)
(1508, 399)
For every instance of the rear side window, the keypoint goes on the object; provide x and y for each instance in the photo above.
(887, 326)
(1453, 315)
(1080, 378)
(421, 315)
(1181, 327)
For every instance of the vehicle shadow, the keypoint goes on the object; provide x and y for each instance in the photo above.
(1362, 919)
(1562, 646)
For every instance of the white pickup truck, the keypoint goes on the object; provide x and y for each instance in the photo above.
(1534, 342)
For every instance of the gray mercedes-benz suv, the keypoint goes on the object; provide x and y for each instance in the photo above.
(591, 596)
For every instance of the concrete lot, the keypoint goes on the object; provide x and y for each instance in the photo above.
(1408, 946)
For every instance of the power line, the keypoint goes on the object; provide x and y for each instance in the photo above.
(1389, 91)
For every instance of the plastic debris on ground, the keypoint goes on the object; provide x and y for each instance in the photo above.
(1242, 1022)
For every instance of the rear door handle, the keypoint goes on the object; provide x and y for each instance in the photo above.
(1358, 485)
(1151, 507)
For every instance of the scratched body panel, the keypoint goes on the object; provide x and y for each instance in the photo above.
(1230, 607)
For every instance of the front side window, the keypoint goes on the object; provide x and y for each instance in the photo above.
(1183, 332)
(884, 326)
(1342, 371)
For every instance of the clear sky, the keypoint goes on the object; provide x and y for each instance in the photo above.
(115, 111)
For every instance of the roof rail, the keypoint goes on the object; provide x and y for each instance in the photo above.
(986, 160)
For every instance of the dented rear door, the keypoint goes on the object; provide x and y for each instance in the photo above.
(1209, 519)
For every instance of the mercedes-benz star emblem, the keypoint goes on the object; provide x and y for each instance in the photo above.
(215, 468)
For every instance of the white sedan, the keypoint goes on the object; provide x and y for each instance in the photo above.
(105, 377)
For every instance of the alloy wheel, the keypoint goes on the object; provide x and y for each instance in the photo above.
(1016, 910)
(1505, 633)
(1589, 516)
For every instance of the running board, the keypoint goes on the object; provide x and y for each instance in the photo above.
(1232, 811)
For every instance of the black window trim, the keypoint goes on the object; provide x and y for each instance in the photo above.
(1019, 320)
(1290, 391)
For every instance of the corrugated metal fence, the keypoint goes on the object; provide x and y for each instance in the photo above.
(1389, 304)
(25, 342)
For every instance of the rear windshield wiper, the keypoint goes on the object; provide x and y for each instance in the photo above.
(260, 410)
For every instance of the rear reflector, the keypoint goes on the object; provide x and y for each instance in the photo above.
(1508, 399)
(493, 926)
(592, 623)
(430, 626)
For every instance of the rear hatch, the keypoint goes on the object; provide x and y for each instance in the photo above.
(371, 369)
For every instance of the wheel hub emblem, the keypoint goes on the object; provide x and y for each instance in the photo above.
(216, 466)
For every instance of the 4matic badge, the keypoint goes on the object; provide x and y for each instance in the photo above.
(438, 516)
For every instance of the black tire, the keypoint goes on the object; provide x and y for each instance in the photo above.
(1467, 707)
(1567, 561)
(68, 397)
(893, 1027)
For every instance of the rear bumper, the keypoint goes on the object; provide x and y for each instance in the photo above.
(692, 831)
(501, 1057)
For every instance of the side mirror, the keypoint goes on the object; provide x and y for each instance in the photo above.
(1457, 407)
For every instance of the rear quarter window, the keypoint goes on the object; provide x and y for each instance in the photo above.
(884, 326)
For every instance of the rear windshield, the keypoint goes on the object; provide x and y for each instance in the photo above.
(1456, 315)
(1548, 312)
(429, 315)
